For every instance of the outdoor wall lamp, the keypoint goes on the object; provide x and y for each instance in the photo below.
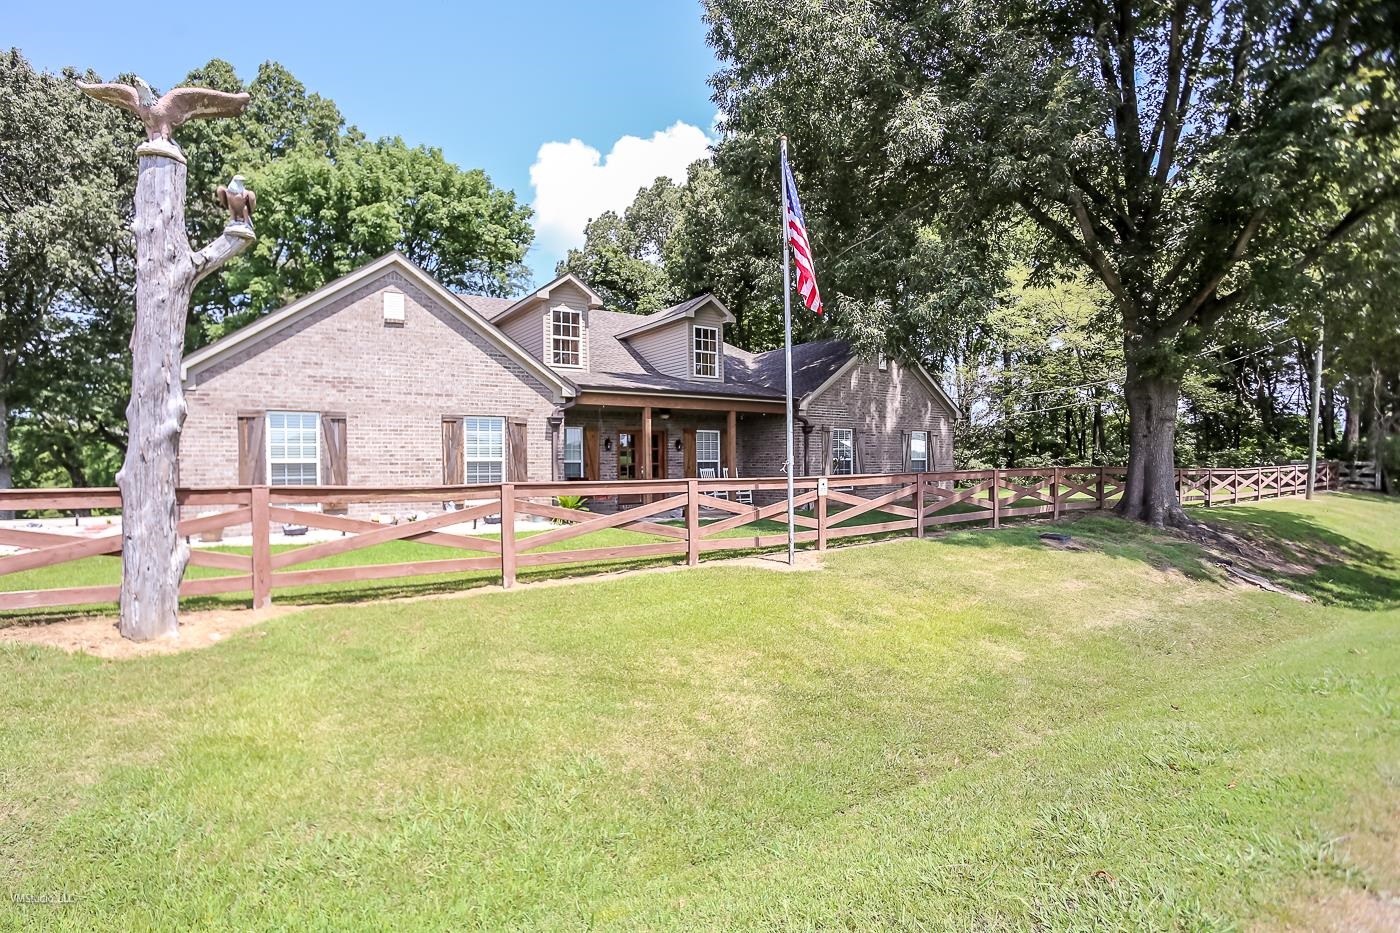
(678, 443)
(607, 443)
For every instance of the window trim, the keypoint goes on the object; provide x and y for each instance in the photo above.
(316, 430)
(550, 337)
(467, 462)
(718, 351)
(718, 461)
(850, 433)
(565, 452)
(927, 442)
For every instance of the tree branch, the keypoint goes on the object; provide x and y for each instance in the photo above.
(208, 260)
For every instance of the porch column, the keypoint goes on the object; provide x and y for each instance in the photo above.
(644, 455)
(731, 443)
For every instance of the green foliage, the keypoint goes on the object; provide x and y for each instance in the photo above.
(66, 176)
(578, 503)
(620, 255)
(320, 217)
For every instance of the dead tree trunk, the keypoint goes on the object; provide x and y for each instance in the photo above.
(153, 554)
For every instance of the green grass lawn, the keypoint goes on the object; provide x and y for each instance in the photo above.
(972, 732)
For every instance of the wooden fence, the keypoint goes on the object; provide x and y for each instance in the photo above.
(689, 516)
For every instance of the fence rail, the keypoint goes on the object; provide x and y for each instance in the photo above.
(690, 517)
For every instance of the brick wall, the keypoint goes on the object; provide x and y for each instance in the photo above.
(394, 382)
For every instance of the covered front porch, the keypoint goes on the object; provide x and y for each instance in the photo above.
(617, 436)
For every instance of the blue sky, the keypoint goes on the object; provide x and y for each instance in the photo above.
(492, 84)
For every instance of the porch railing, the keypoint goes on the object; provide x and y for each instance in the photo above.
(688, 517)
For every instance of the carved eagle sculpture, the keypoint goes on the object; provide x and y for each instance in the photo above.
(240, 201)
(162, 115)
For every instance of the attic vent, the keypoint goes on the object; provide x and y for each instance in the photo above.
(393, 307)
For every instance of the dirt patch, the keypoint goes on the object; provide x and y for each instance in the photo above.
(97, 635)
(1259, 553)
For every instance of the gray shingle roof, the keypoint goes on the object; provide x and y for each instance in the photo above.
(487, 306)
(613, 364)
(812, 364)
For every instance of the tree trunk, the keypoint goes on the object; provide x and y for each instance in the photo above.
(1150, 495)
(7, 476)
(1351, 434)
(153, 553)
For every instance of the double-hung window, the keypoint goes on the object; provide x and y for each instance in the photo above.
(705, 351)
(566, 336)
(573, 452)
(293, 448)
(707, 453)
(843, 451)
(918, 451)
(484, 449)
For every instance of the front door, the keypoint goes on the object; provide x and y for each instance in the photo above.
(629, 461)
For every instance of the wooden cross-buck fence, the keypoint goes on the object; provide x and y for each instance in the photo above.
(683, 517)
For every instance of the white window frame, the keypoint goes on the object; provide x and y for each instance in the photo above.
(913, 459)
(884, 363)
(471, 425)
(695, 351)
(576, 430)
(850, 436)
(558, 344)
(284, 459)
(702, 462)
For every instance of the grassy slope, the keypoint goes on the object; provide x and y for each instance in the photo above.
(975, 732)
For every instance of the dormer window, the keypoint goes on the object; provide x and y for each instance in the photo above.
(565, 336)
(705, 351)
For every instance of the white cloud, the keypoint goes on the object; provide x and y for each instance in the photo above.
(574, 182)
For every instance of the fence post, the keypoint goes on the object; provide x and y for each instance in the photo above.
(919, 505)
(1102, 504)
(262, 547)
(507, 535)
(1210, 483)
(1055, 495)
(821, 514)
(1258, 484)
(692, 522)
(996, 497)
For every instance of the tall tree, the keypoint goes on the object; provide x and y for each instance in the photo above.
(1187, 154)
(65, 178)
(326, 215)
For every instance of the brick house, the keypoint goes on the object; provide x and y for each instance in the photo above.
(384, 377)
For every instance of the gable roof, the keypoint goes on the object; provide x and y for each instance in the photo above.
(818, 364)
(686, 309)
(614, 365)
(271, 323)
(542, 294)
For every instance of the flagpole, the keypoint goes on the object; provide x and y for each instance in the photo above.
(787, 352)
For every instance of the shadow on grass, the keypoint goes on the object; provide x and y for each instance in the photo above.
(1336, 570)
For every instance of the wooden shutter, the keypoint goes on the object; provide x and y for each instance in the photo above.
(907, 439)
(724, 463)
(690, 468)
(826, 451)
(518, 449)
(453, 470)
(857, 461)
(590, 452)
(252, 448)
(334, 471)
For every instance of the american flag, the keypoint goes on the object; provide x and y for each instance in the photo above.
(801, 249)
